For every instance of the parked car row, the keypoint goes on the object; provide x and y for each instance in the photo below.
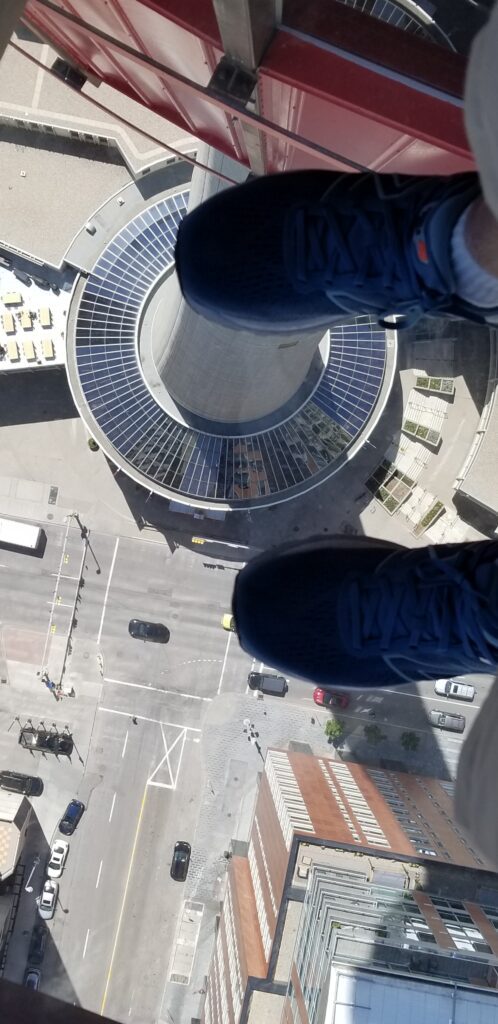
(47, 900)
(58, 855)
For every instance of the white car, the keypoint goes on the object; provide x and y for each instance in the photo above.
(58, 854)
(47, 901)
(452, 688)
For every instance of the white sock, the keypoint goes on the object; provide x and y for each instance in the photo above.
(473, 283)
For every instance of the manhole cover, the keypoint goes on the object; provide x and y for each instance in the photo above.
(49, 515)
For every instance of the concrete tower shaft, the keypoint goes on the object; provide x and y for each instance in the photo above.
(214, 372)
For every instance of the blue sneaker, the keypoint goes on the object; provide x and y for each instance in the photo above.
(366, 612)
(297, 251)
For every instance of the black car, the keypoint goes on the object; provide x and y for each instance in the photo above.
(153, 631)
(180, 861)
(22, 276)
(16, 782)
(268, 682)
(37, 944)
(73, 814)
(32, 978)
(69, 74)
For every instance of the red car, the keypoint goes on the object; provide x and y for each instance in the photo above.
(330, 698)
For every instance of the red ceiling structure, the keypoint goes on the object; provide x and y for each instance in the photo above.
(334, 87)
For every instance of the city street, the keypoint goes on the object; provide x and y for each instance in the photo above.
(137, 729)
(147, 459)
(159, 756)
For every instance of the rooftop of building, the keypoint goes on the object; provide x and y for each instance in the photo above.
(357, 997)
(14, 809)
(61, 157)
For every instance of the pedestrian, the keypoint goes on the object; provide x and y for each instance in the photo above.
(134, 720)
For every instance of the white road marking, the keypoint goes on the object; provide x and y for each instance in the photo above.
(39, 77)
(86, 942)
(156, 689)
(143, 718)
(124, 744)
(121, 912)
(464, 705)
(112, 806)
(169, 785)
(253, 662)
(224, 663)
(98, 876)
(107, 589)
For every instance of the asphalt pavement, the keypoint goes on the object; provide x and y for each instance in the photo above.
(161, 755)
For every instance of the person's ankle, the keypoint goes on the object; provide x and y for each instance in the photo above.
(481, 236)
(474, 256)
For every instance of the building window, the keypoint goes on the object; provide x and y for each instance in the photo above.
(287, 797)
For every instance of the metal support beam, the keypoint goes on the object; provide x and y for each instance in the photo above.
(246, 29)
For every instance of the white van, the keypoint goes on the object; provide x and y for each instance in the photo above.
(452, 688)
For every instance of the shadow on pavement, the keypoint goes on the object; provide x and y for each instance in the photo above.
(20, 952)
(35, 397)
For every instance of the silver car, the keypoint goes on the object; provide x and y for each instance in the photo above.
(452, 688)
(48, 899)
(445, 720)
(58, 855)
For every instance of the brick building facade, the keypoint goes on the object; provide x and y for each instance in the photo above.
(330, 834)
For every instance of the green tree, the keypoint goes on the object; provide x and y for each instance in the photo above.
(334, 729)
(410, 740)
(374, 734)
